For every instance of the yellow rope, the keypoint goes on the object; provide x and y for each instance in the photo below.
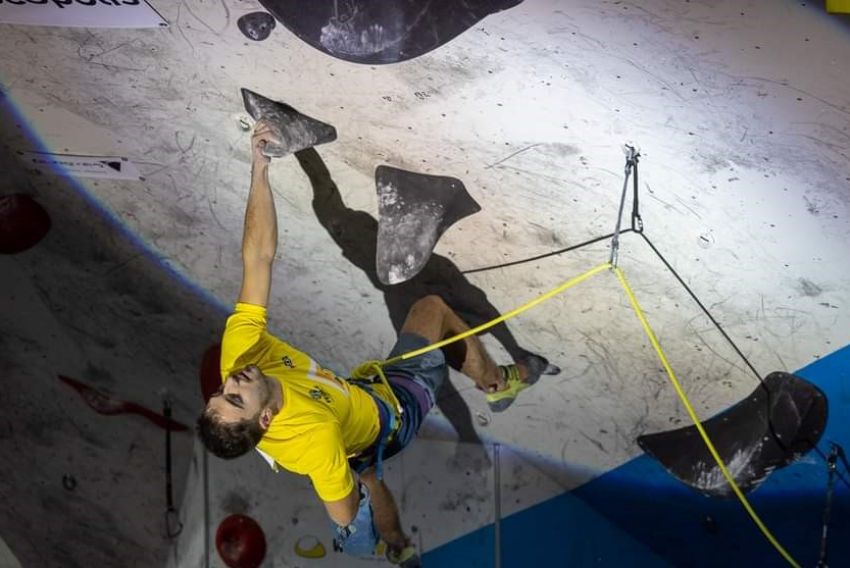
(374, 367)
(484, 326)
(652, 339)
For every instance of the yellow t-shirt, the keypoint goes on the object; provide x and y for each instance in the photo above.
(324, 419)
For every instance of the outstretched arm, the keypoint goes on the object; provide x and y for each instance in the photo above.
(259, 239)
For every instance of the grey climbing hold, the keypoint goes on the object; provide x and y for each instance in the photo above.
(295, 131)
(256, 25)
(414, 211)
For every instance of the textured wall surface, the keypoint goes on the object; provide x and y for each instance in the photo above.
(741, 111)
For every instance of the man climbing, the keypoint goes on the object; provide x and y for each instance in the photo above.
(307, 420)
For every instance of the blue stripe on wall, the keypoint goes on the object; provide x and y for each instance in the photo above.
(637, 514)
(563, 531)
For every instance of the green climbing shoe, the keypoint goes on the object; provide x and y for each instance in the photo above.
(406, 558)
(499, 401)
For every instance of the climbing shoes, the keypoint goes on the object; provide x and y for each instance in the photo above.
(406, 558)
(499, 401)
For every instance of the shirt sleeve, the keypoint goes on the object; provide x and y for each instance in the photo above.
(327, 464)
(244, 334)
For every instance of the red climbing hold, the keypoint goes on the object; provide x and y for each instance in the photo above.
(240, 542)
(211, 371)
(23, 223)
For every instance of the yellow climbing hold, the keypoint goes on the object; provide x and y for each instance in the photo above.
(310, 547)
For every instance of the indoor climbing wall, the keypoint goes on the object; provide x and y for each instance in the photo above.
(475, 150)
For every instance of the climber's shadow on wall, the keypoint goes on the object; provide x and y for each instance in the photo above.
(356, 233)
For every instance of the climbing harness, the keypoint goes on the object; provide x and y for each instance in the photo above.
(388, 421)
(363, 376)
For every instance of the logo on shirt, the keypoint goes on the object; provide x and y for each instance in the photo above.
(317, 393)
(288, 362)
(326, 374)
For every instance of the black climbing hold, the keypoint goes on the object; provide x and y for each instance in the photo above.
(381, 31)
(69, 482)
(256, 25)
(415, 210)
(296, 131)
(779, 422)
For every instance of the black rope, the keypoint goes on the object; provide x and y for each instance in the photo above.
(632, 157)
(544, 255)
(762, 384)
(702, 306)
(637, 227)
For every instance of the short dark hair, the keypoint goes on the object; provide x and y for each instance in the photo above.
(228, 440)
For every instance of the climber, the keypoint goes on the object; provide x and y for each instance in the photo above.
(306, 419)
